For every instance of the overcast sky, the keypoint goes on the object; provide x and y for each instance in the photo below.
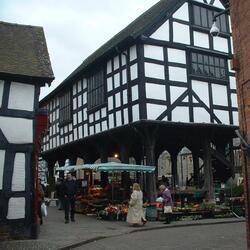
(74, 29)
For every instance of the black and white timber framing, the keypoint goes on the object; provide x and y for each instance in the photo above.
(21, 77)
(161, 83)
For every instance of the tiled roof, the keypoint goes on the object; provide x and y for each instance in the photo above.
(23, 51)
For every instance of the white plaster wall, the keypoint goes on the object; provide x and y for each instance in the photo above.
(118, 118)
(232, 81)
(236, 118)
(104, 126)
(182, 13)
(2, 158)
(154, 52)
(125, 96)
(135, 93)
(177, 74)
(97, 115)
(116, 63)
(154, 71)
(154, 111)
(218, 4)
(97, 128)
(103, 112)
(156, 91)
(80, 117)
(133, 72)
(201, 115)
(135, 113)
(109, 84)
(1, 92)
(91, 116)
(18, 178)
(222, 115)
(201, 89)
(85, 114)
(162, 33)
(116, 80)
(85, 129)
(132, 53)
(176, 92)
(117, 100)
(21, 96)
(16, 208)
(110, 103)
(219, 94)
(84, 97)
(177, 56)
(124, 76)
(111, 121)
(125, 115)
(232, 47)
(74, 104)
(201, 39)
(74, 89)
(91, 130)
(17, 130)
(180, 114)
(84, 83)
(220, 44)
(109, 66)
(234, 100)
(181, 33)
(123, 58)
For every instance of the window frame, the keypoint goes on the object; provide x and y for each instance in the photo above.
(65, 108)
(214, 64)
(208, 14)
(96, 89)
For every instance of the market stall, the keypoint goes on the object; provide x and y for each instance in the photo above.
(97, 199)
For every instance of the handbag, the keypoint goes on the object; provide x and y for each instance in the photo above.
(167, 210)
(44, 209)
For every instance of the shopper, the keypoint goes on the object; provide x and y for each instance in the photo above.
(59, 193)
(167, 203)
(40, 199)
(69, 191)
(135, 212)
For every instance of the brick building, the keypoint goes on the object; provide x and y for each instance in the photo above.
(240, 12)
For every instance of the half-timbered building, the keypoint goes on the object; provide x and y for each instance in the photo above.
(162, 83)
(24, 68)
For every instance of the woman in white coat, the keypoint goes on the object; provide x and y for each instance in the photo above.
(135, 212)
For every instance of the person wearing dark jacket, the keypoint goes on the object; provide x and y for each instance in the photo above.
(69, 190)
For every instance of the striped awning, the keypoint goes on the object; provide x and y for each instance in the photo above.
(109, 167)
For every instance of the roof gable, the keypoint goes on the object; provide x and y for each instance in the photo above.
(23, 52)
(161, 10)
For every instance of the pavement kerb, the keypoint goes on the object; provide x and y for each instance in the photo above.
(85, 242)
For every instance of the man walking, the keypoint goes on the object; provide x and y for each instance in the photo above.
(69, 188)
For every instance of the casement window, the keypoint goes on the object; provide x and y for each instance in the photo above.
(96, 90)
(208, 66)
(65, 108)
(204, 17)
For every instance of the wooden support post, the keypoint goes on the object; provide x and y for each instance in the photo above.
(126, 182)
(150, 177)
(208, 170)
(104, 175)
(174, 169)
(196, 165)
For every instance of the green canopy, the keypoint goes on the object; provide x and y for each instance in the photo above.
(109, 167)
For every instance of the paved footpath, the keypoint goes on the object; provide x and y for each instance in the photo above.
(54, 234)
